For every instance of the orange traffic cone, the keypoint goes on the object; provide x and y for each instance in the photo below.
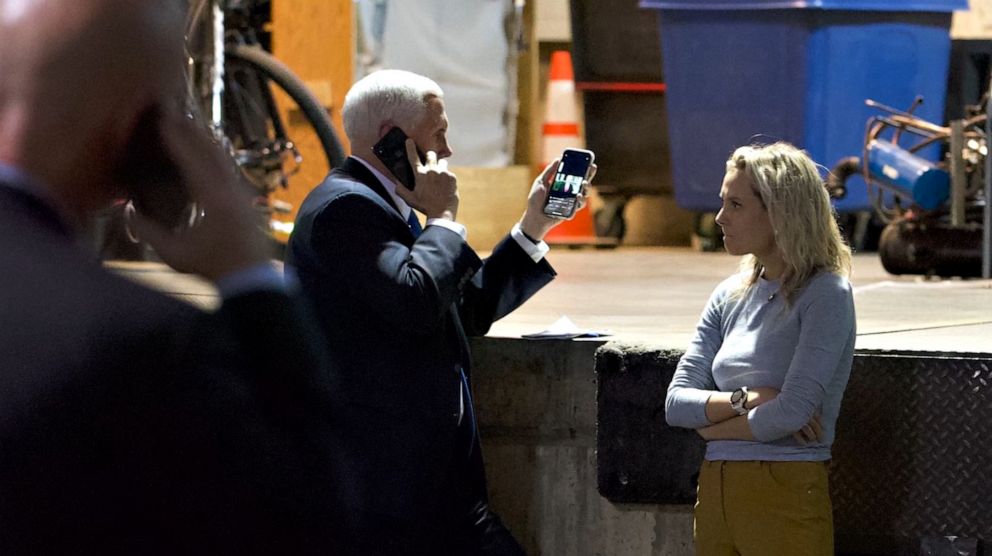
(561, 113)
(561, 131)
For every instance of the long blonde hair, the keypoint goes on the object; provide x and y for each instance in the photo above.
(806, 233)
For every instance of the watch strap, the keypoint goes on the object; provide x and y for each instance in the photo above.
(738, 400)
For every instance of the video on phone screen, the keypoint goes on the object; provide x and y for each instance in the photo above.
(567, 184)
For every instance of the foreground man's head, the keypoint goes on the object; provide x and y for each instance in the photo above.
(78, 76)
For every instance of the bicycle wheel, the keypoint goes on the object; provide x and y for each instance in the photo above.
(281, 75)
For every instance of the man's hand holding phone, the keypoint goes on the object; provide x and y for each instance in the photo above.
(436, 190)
(228, 237)
(536, 223)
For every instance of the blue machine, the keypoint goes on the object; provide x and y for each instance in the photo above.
(907, 175)
(934, 229)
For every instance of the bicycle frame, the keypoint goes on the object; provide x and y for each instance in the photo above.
(237, 102)
(212, 64)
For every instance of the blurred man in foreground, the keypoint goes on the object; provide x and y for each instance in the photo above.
(131, 422)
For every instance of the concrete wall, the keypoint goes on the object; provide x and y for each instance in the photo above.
(536, 403)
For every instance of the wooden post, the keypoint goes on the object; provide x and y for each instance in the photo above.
(528, 75)
(315, 38)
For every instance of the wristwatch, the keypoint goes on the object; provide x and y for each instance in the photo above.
(738, 399)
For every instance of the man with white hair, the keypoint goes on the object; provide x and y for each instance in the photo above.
(397, 303)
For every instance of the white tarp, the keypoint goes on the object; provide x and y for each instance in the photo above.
(462, 45)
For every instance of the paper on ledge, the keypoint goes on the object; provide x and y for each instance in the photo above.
(565, 329)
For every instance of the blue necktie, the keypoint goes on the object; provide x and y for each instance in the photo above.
(469, 414)
(414, 224)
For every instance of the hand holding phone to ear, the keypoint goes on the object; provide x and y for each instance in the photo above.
(436, 190)
(148, 175)
(228, 236)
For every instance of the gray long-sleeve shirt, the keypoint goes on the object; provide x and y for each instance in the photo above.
(805, 351)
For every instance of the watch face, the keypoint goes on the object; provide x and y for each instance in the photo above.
(736, 396)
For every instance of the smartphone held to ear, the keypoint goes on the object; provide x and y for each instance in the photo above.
(391, 150)
(566, 184)
(150, 176)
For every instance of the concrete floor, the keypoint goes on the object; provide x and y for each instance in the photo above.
(655, 295)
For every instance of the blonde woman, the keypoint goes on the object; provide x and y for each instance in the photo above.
(763, 378)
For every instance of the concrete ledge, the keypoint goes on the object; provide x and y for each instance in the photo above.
(536, 403)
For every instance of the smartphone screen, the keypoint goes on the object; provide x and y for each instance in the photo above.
(567, 182)
(391, 150)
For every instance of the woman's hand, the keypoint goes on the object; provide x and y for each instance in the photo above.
(811, 432)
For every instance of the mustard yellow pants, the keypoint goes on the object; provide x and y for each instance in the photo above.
(763, 508)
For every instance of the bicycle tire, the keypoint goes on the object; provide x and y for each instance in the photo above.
(280, 74)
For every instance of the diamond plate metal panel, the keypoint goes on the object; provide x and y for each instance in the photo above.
(913, 452)
(911, 460)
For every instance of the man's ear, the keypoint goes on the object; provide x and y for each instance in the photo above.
(385, 127)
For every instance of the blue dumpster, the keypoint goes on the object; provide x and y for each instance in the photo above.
(742, 71)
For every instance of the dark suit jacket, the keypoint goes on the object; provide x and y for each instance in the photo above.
(133, 423)
(396, 314)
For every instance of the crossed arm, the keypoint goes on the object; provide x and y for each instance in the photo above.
(728, 425)
(695, 401)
